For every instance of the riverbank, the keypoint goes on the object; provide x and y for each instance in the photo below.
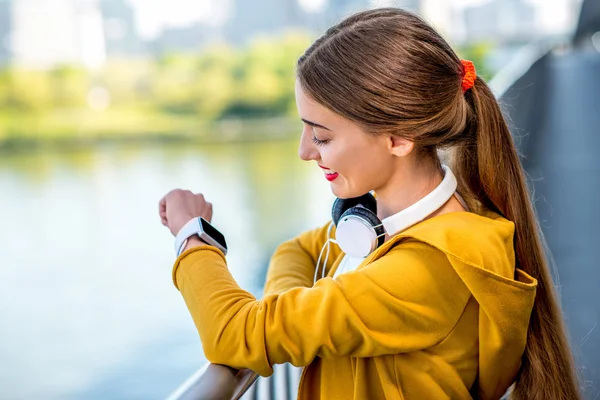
(88, 129)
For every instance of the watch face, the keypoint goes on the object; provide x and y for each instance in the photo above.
(213, 233)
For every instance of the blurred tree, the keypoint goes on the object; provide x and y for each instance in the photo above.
(4, 88)
(478, 53)
(222, 82)
(265, 77)
(124, 79)
(179, 90)
(70, 86)
(27, 90)
(215, 85)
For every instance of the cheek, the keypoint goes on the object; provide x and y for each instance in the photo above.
(369, 168)
(356, 162)
(358, 165)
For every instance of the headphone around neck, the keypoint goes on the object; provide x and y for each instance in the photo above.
(358, 229)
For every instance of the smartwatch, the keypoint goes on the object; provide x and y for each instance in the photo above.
(205, 231)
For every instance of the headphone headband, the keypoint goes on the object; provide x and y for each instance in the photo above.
(424, 207)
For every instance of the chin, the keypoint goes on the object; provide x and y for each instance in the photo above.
(345, 193)
(338, 192)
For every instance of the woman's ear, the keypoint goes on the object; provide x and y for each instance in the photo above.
(400, 147)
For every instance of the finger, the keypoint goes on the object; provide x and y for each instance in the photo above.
(172, 193)
(209, 213)
(162, 205)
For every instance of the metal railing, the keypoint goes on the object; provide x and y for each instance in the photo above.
(219, 382)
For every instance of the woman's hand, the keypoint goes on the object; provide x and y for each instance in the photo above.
(179, 206)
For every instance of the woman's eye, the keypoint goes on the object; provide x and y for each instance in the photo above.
(316, 141)
(319, 142)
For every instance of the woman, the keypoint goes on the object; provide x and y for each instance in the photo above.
(458, 305)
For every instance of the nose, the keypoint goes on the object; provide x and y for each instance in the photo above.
(307, 150)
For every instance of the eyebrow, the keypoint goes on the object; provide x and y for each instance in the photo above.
(314, 124)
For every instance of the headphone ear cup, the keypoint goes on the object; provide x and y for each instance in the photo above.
(340, 206)
(359, 232)
(371, 218)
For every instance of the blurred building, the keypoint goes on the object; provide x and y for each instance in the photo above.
(49, 33)
(90, 31)
(120, 32)
(347, 6)
(5, 31)
(248, 19)
(412, 5)
(40, 41)
(500, 21)
(186, 39)
(441, 14)
(336, 10)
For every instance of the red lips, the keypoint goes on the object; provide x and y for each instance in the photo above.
(329, 177)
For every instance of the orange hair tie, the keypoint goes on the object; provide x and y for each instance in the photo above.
(469, 75)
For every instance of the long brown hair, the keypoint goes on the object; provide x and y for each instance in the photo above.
(390, 72)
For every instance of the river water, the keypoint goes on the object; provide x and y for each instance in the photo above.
(87, 306)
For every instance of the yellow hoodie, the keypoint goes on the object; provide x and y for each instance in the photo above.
(438, 311)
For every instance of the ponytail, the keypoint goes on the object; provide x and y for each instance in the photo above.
(490, 176)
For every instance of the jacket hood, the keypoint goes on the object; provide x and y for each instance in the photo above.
(481, 250)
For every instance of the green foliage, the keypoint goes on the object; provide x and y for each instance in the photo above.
(69, 86)
(478, 53)
(175, 91)
(179, 90)
(26, 90)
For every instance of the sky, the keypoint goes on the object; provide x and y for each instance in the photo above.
(153, 15)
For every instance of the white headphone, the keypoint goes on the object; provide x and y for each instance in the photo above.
(359, 231)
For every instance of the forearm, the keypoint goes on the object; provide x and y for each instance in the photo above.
(290, 267)
(222, 312)
(294, 262)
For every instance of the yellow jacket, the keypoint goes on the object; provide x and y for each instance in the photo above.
(436, 312)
